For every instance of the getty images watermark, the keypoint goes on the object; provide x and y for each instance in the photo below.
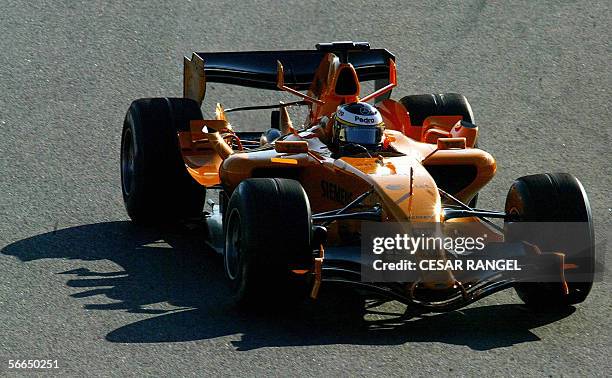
(406, 252)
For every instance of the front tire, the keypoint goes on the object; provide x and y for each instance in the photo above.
(268, 233)
(155, 184)
(555, 197)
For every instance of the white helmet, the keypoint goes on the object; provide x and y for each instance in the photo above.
(358, 123)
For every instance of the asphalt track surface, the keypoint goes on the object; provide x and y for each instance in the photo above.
(81, 285)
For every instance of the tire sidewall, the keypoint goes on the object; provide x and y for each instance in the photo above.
(270, 234)
(162, 189)
(545, 198)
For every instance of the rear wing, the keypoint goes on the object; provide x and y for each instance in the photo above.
(258, 69)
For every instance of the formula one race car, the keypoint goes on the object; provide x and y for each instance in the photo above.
(296, 202)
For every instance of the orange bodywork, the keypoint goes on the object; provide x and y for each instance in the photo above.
(420, 158)
(404, 187)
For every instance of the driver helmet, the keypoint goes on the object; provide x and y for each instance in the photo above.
(358, 123)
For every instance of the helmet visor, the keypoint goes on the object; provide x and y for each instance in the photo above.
(369, 135)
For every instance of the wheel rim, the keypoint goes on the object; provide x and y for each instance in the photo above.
(127, 162)
(232, 245)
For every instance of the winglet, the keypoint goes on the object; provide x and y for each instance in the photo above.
(280, 83)
(392, 83)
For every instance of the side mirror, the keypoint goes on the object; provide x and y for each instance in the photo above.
(291, 147)
(451, 143)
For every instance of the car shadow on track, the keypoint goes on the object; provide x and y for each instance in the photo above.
(175, 267)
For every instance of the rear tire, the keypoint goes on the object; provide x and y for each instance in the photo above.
(268, 231)
(555, 197)
(424, 105)
(155, 184)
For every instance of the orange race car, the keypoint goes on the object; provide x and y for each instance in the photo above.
(371, 192)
